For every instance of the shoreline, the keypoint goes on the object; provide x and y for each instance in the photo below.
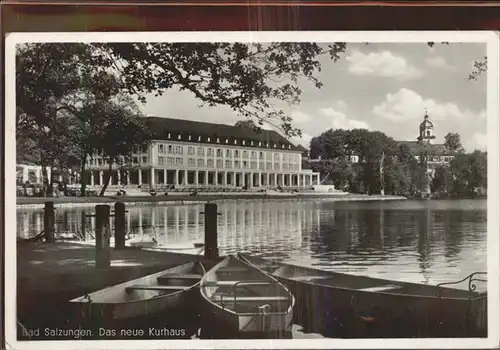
(183, 199)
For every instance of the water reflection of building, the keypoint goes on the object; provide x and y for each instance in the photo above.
(241, 225)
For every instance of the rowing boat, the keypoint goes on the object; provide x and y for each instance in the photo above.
(244, 302)
(166, 295)
(343, 305)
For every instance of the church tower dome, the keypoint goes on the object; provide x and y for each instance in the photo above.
(426, 130)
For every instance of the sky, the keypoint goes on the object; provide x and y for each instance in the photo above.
(377, 86)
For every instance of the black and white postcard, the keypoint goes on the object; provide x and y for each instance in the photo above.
(252, 190)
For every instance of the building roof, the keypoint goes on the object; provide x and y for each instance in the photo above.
(212, 133)
(426, 122)
(434, 149)
(301, 148)
(27, 159)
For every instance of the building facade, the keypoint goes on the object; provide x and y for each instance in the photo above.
(29, 173)
(193, 154)
(437, 154)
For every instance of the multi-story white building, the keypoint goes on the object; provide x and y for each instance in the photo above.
(194, 154)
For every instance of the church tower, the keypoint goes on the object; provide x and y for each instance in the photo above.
(426, 130)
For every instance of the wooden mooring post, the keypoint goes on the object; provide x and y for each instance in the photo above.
(49, 222)
(119, 225)
(211, 244)
(84, 229)
(103, 234)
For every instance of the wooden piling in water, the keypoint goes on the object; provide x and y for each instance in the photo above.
(119, 225)
(83, 224)
(49, 221)
(211, 245)
(103, 234)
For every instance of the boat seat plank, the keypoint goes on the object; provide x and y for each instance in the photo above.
(247, 298)
(269, 266)
(167, 277)
(240, 283)
(306, 278)
(233, 269)
(148, 287)
(380, 288)
(182, 276)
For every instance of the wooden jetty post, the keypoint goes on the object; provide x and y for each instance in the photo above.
(119, 225)
(103, 233)
(211, 245)
(49, 222)
(83, 219)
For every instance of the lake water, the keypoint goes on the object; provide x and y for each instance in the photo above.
(415, 241)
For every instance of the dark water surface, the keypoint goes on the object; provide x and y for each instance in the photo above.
(415, 241)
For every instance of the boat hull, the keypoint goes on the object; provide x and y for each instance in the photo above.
(336, 306)
(181, 316)
(350, 314)
(234, 303)
(139, 305)
(220, 324)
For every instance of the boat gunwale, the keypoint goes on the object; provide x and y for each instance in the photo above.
(84, 299)
(250, 266)
(473, 294)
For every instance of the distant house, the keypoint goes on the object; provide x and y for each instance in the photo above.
(437, 154)
(29, 173)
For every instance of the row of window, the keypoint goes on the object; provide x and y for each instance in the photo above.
(225, 153)
(100, 161)
(209, 163)
(219, 153)
(438, 159)
(226, 141)
(226, 164)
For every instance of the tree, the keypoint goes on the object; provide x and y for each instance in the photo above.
(410, 168)
(249, 123)
(100, 92)
(480, 68)
(396, 178)
(372, 148)
(479, 170)
(245, 124)
(469, 172)
(122, 132)
(45, 74)
(443, 180)
(452, 143)
(329, 145)
(339, 172)
(249, 78)
(70, 104)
